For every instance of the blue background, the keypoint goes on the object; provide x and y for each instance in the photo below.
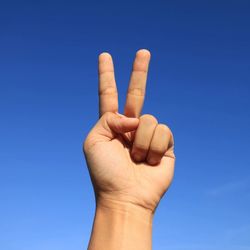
(198, 83)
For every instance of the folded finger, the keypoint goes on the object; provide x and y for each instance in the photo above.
(161, 141)
(143, 137)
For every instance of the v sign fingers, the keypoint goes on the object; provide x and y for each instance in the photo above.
(137, 85)
(108, 97)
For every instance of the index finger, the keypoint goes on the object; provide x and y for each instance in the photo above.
(137, 85)
(108, 97)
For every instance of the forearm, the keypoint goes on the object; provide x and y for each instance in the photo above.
(121, 226)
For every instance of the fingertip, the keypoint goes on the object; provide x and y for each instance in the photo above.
(153, 161)
(129, 121)
(105, 64)
(144, 53)
(132, 119)
(104, 56)
(137, 157)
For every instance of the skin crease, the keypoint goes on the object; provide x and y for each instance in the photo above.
(130, 157)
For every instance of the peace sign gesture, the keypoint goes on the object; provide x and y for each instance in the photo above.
(130, 157)
(107, 87)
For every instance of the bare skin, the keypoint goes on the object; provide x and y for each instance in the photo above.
(130, 159)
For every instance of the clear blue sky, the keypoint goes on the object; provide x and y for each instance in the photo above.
(199, 84)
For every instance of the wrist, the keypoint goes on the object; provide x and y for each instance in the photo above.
(120, 225)
(125, 210)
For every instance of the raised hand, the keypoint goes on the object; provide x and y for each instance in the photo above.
(130, 157)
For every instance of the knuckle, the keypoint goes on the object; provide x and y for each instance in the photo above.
(110, 122)
(139, 92)
(108, 91)
(165, 129)
(140, 147)
(106, 118)
(157, 150)
(149, 119)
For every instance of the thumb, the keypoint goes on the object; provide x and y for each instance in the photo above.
(108, 127)
(115, 123)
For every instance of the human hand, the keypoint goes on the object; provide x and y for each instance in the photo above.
(130, 157)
